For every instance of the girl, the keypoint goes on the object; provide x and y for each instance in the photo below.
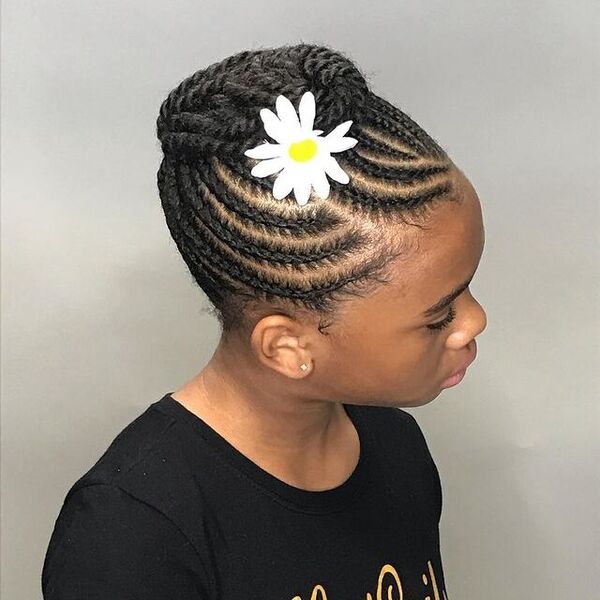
(338, 267)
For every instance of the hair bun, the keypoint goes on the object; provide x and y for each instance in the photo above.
(215, 111)
(341, 91)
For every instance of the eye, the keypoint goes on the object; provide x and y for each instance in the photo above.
(436, 327)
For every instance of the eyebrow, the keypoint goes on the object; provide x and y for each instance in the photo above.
(446, 300)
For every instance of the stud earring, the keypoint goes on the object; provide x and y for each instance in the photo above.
(303, 366)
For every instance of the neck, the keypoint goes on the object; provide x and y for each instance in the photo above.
(305, 442)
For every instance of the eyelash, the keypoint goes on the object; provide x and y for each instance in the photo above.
(436, 327)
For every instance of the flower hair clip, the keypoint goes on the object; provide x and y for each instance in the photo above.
(303, 157)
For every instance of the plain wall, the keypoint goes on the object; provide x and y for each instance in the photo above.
(100, 316)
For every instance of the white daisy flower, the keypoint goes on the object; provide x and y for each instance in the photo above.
(301, 155)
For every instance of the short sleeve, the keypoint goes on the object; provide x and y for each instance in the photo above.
(108, 544)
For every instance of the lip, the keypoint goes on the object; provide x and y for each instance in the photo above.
(457, 376)
(454, 380)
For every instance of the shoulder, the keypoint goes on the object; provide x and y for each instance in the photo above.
(106, 543)
(392, 420)
(399, 432)
(147, 459)
(411, 427)
(434, 476)
(136, 441)
(146, 467)
(136, 514)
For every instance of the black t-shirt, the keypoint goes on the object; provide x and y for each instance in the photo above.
(173, 511)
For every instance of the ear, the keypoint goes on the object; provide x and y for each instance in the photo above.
(282, 344)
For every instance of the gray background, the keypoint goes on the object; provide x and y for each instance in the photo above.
(100, 318)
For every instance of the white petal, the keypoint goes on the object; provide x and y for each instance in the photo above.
(302, 190)
(283, 184)
(265, 151)
(286, 112)
(320, 183)
(307, 112)
(334, 170)
(268, 167)
(273, 126)
(340, 144)
(340, 130)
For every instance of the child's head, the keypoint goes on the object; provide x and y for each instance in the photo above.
(340, 282)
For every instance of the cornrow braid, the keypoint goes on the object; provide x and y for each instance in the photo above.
(246, 249)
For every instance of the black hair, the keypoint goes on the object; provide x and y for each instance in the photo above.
(247, 250)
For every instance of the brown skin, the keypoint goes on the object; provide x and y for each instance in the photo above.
(379, 351)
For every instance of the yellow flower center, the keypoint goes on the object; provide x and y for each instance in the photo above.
(304, 150)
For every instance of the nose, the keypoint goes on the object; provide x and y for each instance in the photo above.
(472, 346)
(482, 324)
(476, 320)
(481, 319)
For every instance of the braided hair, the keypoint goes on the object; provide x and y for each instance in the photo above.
(247, 250)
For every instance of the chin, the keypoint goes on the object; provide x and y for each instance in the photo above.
(420, 402)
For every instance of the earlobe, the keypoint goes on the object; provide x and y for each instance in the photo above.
(306, 367)
(276, 343)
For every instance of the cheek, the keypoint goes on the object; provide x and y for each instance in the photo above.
(407, 359)
(383, 368)
(387, 356)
